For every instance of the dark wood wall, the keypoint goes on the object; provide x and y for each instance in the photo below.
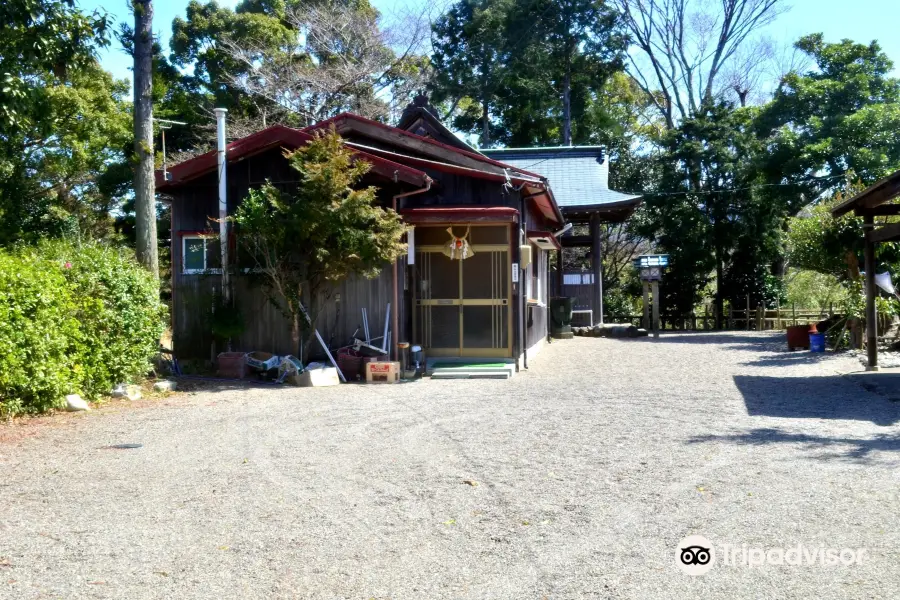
(195, 206)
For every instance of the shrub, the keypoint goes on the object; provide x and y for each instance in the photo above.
(82, 318)
(37, 327)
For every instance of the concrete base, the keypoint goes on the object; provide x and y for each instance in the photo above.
(563, 336)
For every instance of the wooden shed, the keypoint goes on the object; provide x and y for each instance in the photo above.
(491, 304)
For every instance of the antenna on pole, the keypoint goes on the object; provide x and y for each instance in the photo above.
(163, 125)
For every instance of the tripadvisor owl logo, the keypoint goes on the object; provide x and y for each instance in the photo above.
(695, 555)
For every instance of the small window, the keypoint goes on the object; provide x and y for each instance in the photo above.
(200, 254)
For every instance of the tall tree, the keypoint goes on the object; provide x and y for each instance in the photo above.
(688, 45)
(63, 122)
(315, 60)
(568, 46)
(522, 73)
(144, 182)
(837, 118)
(468, 43)
(709, 206)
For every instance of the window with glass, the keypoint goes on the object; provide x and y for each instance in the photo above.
(200, 254)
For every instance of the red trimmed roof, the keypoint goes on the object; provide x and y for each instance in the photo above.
(271, 137)
(533, 236)
(460, 214)
(446, 167)
(346, 116)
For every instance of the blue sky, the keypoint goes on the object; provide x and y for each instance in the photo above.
(859, 20)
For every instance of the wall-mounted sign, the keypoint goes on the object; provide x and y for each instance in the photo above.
(515, 272)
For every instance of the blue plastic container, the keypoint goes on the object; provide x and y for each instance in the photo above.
(817, 342)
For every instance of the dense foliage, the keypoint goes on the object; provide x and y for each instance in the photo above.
(74, 318)
(736, 167)
(320, 233)
(525, 74)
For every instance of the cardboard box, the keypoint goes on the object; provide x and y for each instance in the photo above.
(383, 372)
(322, 377)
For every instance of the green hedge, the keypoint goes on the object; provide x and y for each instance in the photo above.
(73, 319)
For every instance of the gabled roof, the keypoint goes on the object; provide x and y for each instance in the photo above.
(398, 164)
(577, 173)
(442, 157)
(345, 122)
(418, 118)
(273, 137)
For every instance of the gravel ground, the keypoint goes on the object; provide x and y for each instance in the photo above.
(575, 479)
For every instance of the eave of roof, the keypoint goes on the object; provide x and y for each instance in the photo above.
(877, 193)
(346, 116)
(540, 192)
(460, 214)
(573, 175)
(272, 137)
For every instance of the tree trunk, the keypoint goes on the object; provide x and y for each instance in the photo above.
(144, 184)
(485, 125)
(567, 102)
(295, 336)
(720, 275)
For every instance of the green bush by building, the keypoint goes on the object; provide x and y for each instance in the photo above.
(74, 318)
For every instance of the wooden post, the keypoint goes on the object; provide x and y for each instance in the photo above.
(706, 315)
(793, 313)
(656, 309)
(597, 266)
(747, 314)
(777, 315)
(647, 324)
(871, 316)
(559, 272)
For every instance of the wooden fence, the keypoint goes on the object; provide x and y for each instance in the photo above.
(749, 319)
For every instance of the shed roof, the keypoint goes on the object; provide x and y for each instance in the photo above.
(577, 173)
(272, 137)
(874, 195)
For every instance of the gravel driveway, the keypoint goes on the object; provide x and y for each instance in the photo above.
(576, 479)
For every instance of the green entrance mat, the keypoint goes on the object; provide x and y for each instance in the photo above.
(464, 366)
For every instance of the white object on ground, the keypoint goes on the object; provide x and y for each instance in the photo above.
(132, 392)
(75, 403)
(164, 386)
(317, 377)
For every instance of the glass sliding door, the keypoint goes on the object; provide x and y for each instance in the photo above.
(463, 306)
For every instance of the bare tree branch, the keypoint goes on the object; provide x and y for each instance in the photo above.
(687, 45)
(341, 59)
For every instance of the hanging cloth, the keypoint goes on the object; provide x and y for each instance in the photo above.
(458, 248)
